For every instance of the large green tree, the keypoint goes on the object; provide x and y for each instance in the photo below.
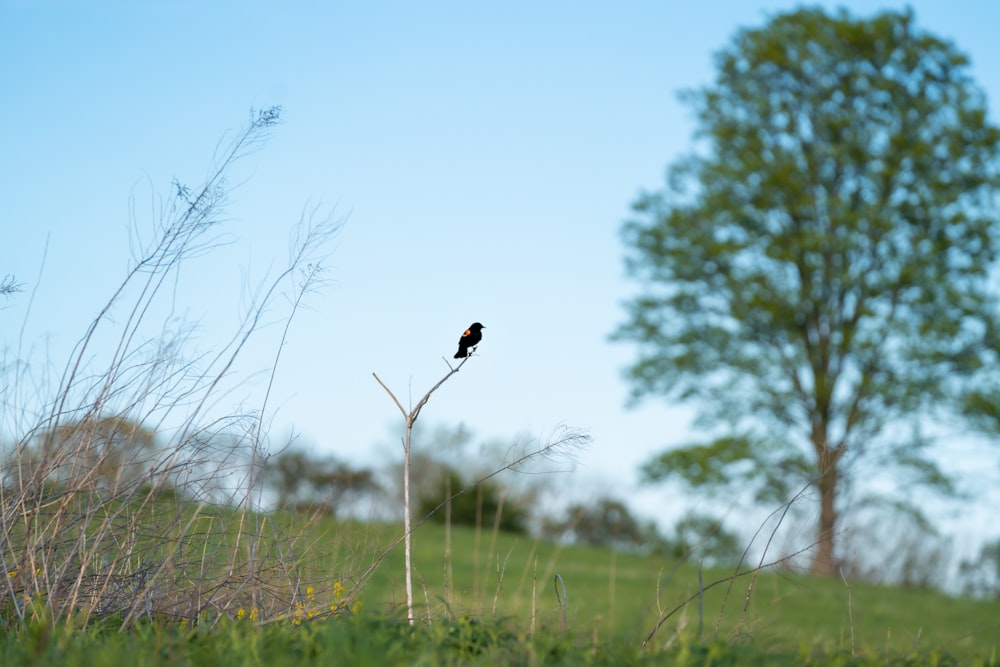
(815, 275)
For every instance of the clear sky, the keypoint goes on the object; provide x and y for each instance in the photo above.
(486, 155)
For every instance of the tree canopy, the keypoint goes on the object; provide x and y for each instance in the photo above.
(305, 481)
(603, 522)
(94, 451)
(815, 276)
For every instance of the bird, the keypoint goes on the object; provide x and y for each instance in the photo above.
(470, 339)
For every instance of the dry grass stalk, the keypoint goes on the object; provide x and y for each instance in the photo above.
(98, 516)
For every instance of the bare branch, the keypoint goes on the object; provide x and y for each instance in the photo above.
(782, 511)
(9, 285)
(393, 397)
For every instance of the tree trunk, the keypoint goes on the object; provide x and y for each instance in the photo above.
(823, 561)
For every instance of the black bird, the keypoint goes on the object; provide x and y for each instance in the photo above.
(469, 339)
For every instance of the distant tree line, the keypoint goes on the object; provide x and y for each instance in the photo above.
(118, 451)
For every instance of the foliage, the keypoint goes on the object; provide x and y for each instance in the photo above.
(437, 447)
(606, 522)
(981, 575)
(816, 279)
(906, 552)
(449, 462)
(731, 465)
(301, 480)
(702, 537)
(484, 504)
(114, 450)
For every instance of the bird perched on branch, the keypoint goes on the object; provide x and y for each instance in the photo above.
(469, 340)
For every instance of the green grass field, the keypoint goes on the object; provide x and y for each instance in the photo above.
(493, 599)
(621, 597)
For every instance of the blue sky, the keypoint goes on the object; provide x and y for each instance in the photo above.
(485, 155)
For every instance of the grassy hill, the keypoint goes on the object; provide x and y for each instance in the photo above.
(494, 598)
(620, 598)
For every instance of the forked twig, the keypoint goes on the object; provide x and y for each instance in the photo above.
(410, 418)
(567, 442)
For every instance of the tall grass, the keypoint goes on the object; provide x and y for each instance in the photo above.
(600, 597)
(124, 492)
